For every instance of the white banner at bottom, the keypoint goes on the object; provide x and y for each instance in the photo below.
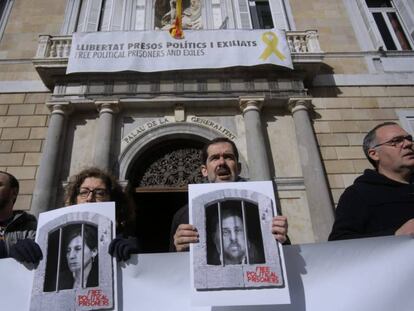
(358, 275)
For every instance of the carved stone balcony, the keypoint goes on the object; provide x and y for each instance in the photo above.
(53, 52)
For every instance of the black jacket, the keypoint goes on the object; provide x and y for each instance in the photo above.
(373, 206)
(21, 226)
(180, 217)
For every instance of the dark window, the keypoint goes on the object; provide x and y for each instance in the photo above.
(399, 32)
(385, 33)
(379, 3)
(2, 7)
(261, 14)
(389, 24)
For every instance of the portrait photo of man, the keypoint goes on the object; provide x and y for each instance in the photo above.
(233, 221)
(229, 242)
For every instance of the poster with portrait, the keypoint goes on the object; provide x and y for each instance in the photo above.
(237, 261)
(76, 272)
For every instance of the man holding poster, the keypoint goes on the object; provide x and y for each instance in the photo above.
(221, 164)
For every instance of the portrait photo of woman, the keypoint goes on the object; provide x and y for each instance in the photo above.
(76, 263)
(81, 252)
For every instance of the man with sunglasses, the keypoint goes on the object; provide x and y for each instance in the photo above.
(381, 201)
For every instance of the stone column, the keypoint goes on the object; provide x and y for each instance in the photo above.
(317, 190)
(102, 155)
(256, 147)
(46, 186)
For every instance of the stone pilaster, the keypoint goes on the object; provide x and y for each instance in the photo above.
(317, 190)
(46, 186)
(102, 156)
(256, 147)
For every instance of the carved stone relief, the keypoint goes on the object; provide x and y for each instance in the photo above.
(165, 14)
(176, 169)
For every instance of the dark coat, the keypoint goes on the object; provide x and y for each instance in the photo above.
(373, 206)
(21, 226)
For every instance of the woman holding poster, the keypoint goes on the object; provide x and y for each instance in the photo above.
(95, 185)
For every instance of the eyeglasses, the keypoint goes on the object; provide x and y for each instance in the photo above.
(98, 193)
(396, 141)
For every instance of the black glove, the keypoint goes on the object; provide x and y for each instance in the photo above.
(26, 250)
(123, 248)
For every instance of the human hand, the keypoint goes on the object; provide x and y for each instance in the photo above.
(407, 228)
(122, 249)
(26, 250)
(280, 228)
(185, 235)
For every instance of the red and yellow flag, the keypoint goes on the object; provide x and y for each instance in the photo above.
(176, 30)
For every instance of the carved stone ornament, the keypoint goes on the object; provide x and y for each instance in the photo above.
(165, 14)
(175, 169)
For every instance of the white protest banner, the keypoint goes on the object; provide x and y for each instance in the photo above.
(151, 51)
(358, 275)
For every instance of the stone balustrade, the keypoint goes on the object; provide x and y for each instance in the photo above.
(53, 47)
(303, 41)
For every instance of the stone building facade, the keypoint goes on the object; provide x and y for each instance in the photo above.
(302, 128)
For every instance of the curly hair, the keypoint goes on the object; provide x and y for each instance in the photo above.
(124, 210)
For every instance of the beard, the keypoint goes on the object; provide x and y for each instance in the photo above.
(234, 251)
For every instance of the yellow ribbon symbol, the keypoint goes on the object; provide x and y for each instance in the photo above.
(271, 40)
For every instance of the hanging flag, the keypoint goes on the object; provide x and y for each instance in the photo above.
(176, 29)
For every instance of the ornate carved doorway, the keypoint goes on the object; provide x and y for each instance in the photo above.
(160, 177)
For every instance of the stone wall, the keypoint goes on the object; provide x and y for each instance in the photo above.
(23, 126)
(341, 123)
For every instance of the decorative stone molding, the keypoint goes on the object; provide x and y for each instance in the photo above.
(109, 106)
(179, 113)
(251, 103)
(296, 104)
(176, 169)
(180, 129)
(63, 108)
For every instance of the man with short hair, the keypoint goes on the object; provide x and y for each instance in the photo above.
(232, 244)
(381, 201)
(220, 159)
(233, 239)
(17, 228)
